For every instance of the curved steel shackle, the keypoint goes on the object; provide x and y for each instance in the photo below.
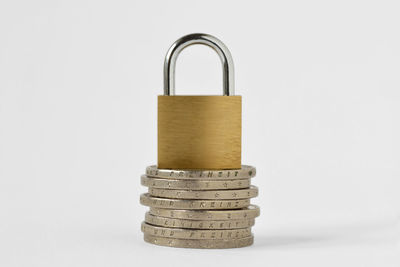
(205, 39)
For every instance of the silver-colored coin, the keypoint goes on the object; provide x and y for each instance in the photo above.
(198, 184)
(244, 173)
(200, 194)
(195, 233)
(199, 243)
(166, 203)
(249, 212)
(193, 224)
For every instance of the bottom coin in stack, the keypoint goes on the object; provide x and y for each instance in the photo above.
(199, 243)
(194, 234)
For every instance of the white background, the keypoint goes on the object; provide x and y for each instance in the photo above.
(321, 103)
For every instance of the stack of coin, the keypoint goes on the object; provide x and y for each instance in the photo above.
(199, 208)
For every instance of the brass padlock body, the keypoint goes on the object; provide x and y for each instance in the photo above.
(199, 132)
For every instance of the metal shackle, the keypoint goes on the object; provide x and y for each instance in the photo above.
(228, 71)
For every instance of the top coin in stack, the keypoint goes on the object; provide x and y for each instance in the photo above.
(244, 173)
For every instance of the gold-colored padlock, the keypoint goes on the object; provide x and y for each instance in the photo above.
(199, 132)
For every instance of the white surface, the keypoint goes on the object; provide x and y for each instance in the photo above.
(321, 93)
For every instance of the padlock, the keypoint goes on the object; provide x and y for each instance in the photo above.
(199, 132)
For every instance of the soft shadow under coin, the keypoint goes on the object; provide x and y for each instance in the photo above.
(372, 232)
